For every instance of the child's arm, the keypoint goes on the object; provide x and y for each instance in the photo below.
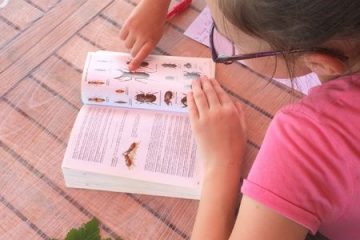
(256, 221)
(144, 28)
(219, 129)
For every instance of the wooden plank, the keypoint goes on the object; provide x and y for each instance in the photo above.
(13, 223)
(28, 13)
(32, 199)
(45, 107)
(31, 36)
(7, 33)
(60, 78)
(75, 51)
(269, 98)
(12, 226)
(100, 27)
(40, 154)
(51, 42)
(45, 5)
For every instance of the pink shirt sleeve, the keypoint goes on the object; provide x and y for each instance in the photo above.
(297, 171)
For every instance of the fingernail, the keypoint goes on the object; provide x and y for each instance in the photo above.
(131, 67)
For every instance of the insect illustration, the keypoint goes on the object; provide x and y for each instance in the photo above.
(169, 65)
(143, 64)
(168, 97)
(145, 97)
(96, 99)
(129, 154)
(96, 82)
(188, 65)
(184, 101)
(128, 76)
(192, 75)
(120, 91)
(120, 102)
(170, 78)
(128, 160)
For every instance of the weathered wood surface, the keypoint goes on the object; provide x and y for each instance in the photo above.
(43, 45)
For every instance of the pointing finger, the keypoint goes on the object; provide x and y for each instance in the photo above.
(140, 56)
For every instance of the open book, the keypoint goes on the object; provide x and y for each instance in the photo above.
(133, 133)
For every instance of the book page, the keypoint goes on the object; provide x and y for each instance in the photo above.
(200, 30)
(140, 144)
(161, 83)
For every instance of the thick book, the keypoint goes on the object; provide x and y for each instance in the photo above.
(133, 133)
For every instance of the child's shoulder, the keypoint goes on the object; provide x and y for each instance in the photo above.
(335, 100)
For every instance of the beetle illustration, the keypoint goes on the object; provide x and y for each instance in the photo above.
(96, 99)
(187, 65)
(145, 97)
(142, 64)
(96, 82)
(120, 91)
(192, 75)
(169, 65)
(167, 97)
(184, 101)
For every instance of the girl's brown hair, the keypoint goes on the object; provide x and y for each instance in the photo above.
(299, 24)
(295, 24)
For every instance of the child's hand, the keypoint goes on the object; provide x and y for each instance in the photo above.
(143, 29)
(218, 125)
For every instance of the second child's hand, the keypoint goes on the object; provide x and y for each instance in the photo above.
(143, 29)
(219, 129)
(218, 125)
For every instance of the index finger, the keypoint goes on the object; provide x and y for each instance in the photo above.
(140, 56)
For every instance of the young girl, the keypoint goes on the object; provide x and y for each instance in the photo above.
(306, 176)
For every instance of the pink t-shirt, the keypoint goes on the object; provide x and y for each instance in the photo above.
(308, 168)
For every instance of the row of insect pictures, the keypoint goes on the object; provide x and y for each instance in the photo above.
(164, 98)
(155, 71)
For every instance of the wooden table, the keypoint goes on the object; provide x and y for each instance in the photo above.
(43, 45)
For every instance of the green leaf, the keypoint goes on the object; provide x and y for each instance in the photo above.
(89, 231)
